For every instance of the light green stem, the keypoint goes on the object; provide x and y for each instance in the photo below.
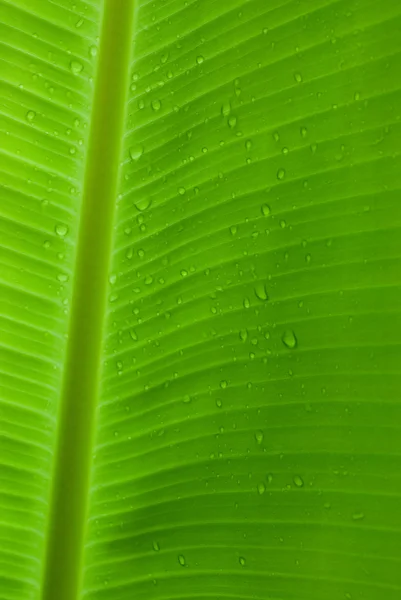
(70, 486)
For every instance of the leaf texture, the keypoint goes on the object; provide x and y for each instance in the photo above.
(247, 438)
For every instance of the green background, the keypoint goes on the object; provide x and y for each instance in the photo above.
(200, 299)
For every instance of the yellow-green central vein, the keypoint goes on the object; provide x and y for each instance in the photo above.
(70, 486)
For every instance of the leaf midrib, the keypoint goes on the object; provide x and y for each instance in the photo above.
(71, 474)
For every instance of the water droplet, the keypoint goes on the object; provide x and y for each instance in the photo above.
(261, 292)
(243, 334)
(62, 277)
(289, 340)
(246, 303)
(233, 229)
(358, 516)
(298, 77)
(269, 478)
(219, 403)
(223, 384)
(181, 191)
(232, 121)
(285, 150)
(143, 204)
(261, 488)
(199, 60)
(280, 174)
(79, 23)
(76, 67)
(156, 546)
(136, 151)
(46, 244)
(30, 115)
(259, 436)
(242, 561)
(265, 210)
(187, 399)
(61, 230)
(156, 105)
(298, 481)
(181, 560)
(148, 280)
(304, 132)
(226, 109)
(276, 136)
(92, 51)
(133, 335)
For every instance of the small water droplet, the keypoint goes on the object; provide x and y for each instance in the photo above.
(232, 121)
(289, 340)
(298, 481)
(223, 384)
(226, 109)
(219, 403)
(243, 334)
(76, 67)
(181, 560)
(259, 436)
(269, 478)
(199, 59)
(298, 77)
(304, 132)
(30, 115)
(62, 277)
(156, 105)
(233, 229)
(261, 292)
(79, 23)
(265, 210)
(242, 561)
(246, 303)
(136, 151)
(358, 516)
(280, 174)
(61, 230)
(156, 546)
(261, 488)
(133, 335)
(181, 191)
(92, 51)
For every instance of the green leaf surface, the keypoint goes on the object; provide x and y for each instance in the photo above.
(200, 299)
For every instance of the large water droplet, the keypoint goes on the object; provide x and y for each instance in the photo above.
(143, 204)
